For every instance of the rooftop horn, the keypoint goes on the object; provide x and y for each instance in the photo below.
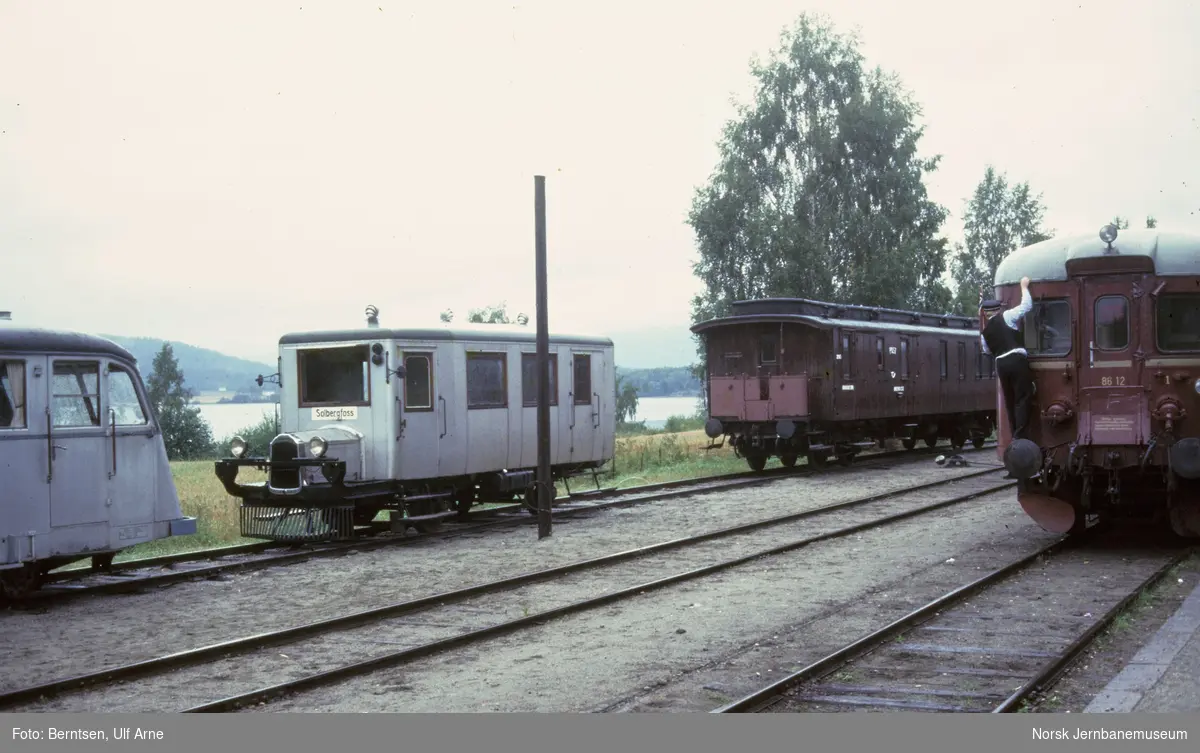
(372, 316)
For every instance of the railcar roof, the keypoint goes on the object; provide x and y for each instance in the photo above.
(481, 333)
(1173, 254)
(820, 322)
(33, 340)
(845, 311)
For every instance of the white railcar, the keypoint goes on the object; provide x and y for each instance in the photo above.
(421, 422)
(83, 468)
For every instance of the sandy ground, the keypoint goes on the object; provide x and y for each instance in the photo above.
(584, 662)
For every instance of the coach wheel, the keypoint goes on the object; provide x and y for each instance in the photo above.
(957, 440)
(909, 443)
(757, 462)
(845, 458)
(463, 501)
(19, 582)
(818, 459)
(977, 442)
(931, 440)
(788, 460)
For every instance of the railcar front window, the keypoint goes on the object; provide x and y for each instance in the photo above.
(123, 399)
(1047, 329)
(76, 394)
(418, 383)
(335, 376)
(12, 395)
(1111, 322)
(529, 379)
(1178, 322)
(487, 385)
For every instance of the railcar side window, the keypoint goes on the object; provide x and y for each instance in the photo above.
(529, 379)
(418, 382)
(76, 393)
(123, 398)
(768, 349)
(904, 358)
(962, 360)
(879, 353)
(847, 357)
(1047, 329)
(1111, 322)
(487, 383)
(12, 395)
(943, 358)
(583, 379)
(1178, 322)
(335, 376)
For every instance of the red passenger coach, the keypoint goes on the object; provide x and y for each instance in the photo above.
(790, 377)
(1114, 345)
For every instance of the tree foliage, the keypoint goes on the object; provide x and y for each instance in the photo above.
(1000, 218)
(1151, 222)
(496, 314)
(818, 191)
(185, 432)
(627, 400)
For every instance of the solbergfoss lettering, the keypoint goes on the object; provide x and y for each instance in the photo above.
(1108, 734)
(334, 412)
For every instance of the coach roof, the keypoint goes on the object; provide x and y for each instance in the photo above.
(32, 340)
(1173, 254)
(482, 333)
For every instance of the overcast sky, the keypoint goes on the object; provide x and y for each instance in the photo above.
(222, 172)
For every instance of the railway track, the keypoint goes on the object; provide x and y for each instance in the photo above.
(155, 572)
(455, 619)
(987, 646)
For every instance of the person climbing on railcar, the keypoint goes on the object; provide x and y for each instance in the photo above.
(1000, 335)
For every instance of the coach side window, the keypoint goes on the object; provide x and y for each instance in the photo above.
(768, 349)
(12, 395)
(962, 360)
(847, 358)
(418, 382)
(1111, 322)
(123, 398)
(879, 353)
(904, 358)
(1178, 322)
(487, 383)
(529, 379)
(76, 393)
(583, 379)
(943, 358)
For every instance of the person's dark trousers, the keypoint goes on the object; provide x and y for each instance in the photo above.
(1016, 380)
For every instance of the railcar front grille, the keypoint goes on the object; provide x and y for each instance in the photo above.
(285, 448)
(298, 524)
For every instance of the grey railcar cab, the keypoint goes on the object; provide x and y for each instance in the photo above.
(421, 422)
(83, 468)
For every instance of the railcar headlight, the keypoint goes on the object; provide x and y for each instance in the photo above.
(237, 447)
(1197, 386)
(317, 446)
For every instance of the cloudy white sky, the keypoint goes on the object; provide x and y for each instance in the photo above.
(221, 172)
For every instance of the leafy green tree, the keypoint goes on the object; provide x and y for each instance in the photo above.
(1151, 223)
(818, 191)
(497, 314)
(1000, 218)
(1122, 223)
(627, 400)
(185, 432)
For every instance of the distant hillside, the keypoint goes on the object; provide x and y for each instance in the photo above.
(653, 347)
(666, 381)
(204, 370)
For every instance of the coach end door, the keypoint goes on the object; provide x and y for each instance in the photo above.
(1112, 399)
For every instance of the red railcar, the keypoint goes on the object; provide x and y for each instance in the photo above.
(790, 377)
(1114, 344)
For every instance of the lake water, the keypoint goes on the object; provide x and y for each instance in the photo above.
(228, 419)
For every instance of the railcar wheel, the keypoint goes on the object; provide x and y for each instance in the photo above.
(909, 443)
(818, 459)
(788, 460)
(757, 462)
(957, 441)
(977, 442)
(845, 458)
(463, 501)
(931, 441)
(20, 582)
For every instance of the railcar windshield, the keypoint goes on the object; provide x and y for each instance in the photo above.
(1178, 322)
(1048, 328)
(335, 376)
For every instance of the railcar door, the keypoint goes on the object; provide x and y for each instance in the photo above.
(24, 457)
(423, 420)
(586, 368)
(448, 392)
(132, 456)
(1112, 400)
(79, 484)
(529, 403)
(846, 376)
